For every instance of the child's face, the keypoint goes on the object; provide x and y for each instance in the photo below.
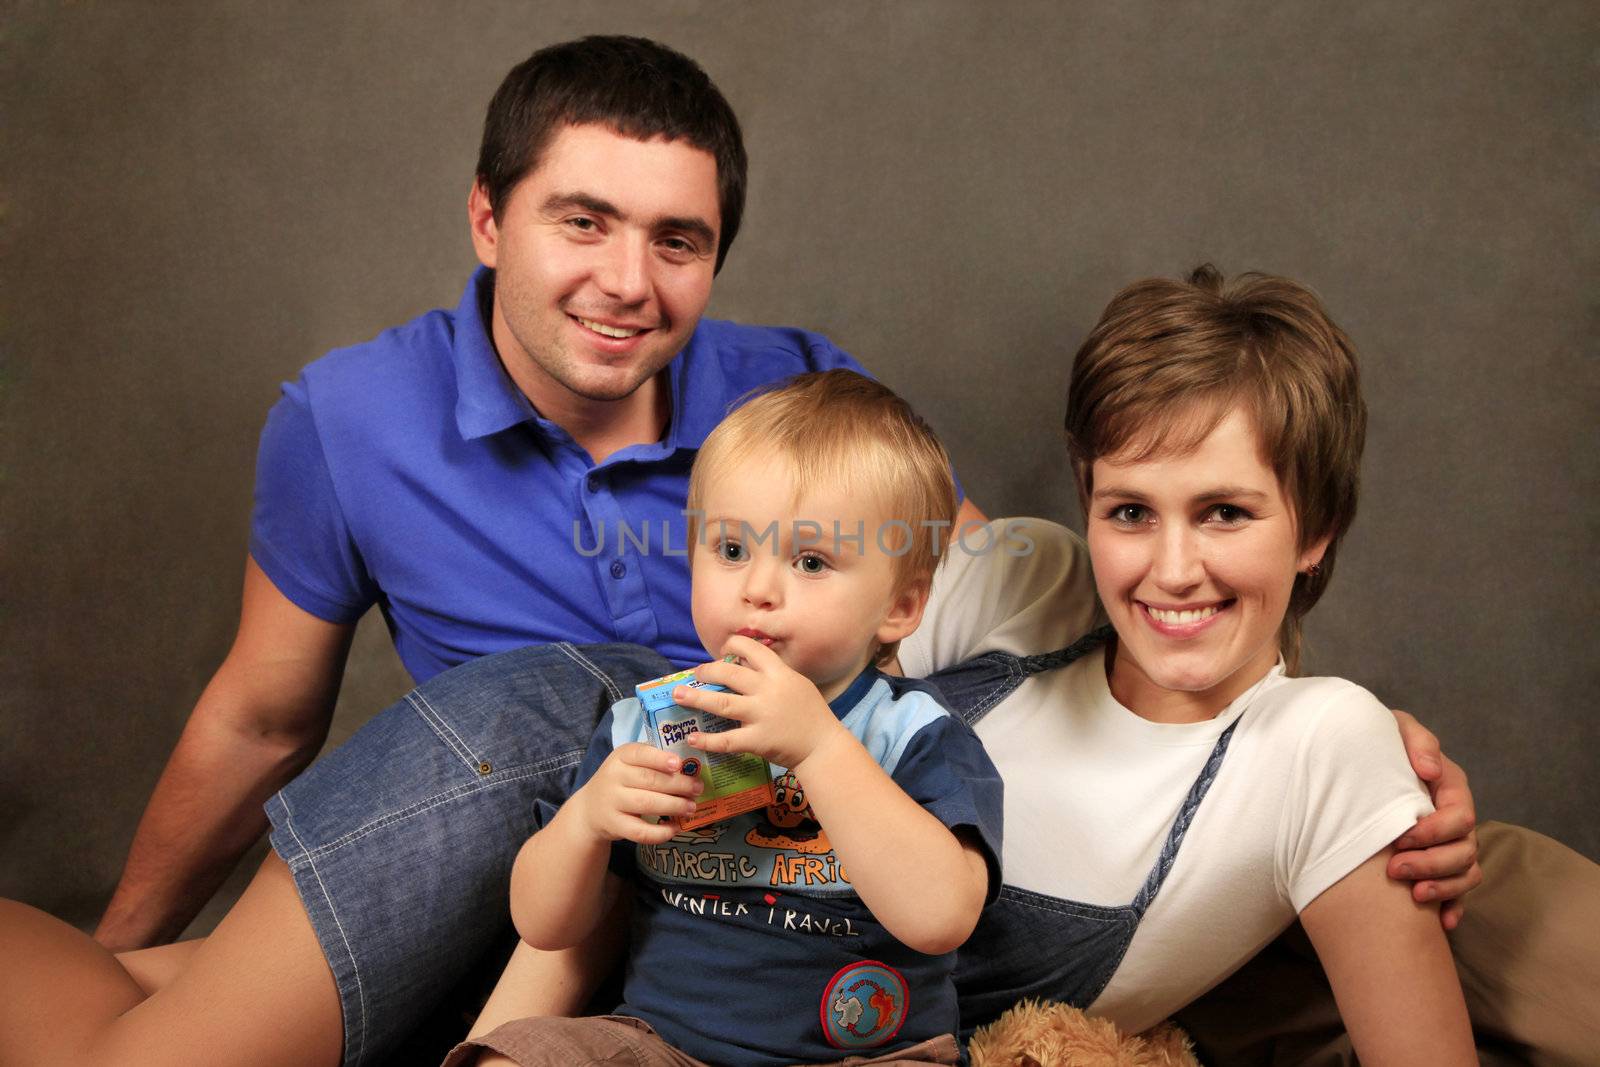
(822, 604)
(1194, 556)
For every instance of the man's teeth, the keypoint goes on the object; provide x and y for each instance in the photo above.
(609, 331)
(1178, 618)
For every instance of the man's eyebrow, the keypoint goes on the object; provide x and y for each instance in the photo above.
(584, 202)
(693, 225)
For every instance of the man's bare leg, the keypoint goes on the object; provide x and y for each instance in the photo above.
(256, 993)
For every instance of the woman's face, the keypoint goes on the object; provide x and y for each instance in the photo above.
(1194, 556)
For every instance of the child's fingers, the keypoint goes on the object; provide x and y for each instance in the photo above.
(649, 773)
(637, 803)
(644, 832)
(736, 676)
(638, 754)
(756, 655)
(725, 703)
(725, 741)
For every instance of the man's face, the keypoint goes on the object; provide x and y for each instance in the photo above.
(603, 258)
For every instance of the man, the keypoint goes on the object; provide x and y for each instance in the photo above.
(485, 476)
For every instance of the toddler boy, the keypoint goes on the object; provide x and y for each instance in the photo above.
(824, 925)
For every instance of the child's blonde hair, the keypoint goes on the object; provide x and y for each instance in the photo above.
(840, 428)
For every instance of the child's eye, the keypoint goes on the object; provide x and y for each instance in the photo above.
(811, 564)
(731, 551)
(1129, 515)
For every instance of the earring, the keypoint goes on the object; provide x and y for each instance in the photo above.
(1314, 571)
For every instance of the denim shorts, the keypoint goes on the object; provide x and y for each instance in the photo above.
(401, 840)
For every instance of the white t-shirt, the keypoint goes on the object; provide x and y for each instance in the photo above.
(1315, 780)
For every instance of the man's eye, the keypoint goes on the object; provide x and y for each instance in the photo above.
(811, 564)
(732, 551)
(583, 224)
(1129, 514)
(678, 249)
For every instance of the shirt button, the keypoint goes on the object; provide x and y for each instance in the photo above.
(618, 568)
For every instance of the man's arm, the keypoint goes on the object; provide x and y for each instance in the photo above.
(259, 722)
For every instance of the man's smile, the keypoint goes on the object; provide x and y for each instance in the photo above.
(608, 330)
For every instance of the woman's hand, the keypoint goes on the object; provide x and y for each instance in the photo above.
(1440, 853)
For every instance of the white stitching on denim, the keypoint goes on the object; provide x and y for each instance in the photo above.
(361, 994)
(555, 763)
(441, 729)
(583, 661)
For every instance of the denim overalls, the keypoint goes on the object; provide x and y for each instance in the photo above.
(1028, 944)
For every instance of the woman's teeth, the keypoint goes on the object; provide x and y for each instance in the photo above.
(609, 331)
(1178, 618)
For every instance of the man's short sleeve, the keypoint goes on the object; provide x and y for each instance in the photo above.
(298, 535)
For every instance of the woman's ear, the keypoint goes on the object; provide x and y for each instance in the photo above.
(1311, 555)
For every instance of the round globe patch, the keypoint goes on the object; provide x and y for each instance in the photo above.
(864, 1005)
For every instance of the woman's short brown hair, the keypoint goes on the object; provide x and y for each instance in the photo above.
(1170, 359)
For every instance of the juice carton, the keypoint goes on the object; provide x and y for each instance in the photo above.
(735, 781)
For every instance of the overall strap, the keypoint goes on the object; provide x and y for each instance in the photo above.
(973, 687)
(1180, 825)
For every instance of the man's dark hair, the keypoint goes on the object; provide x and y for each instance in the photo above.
(637, 87)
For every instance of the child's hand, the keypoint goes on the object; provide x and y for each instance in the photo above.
(636, 780)
(782, 715)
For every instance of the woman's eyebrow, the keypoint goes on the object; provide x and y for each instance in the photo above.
(1230, 492)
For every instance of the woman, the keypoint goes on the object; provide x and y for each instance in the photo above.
(1173, 797)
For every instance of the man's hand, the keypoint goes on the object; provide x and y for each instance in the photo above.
(636, 781)
(1440, 853)
(782, 716)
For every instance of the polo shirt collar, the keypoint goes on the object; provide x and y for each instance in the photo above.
(700, 389)
(488, 401)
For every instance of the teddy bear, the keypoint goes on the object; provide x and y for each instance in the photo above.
(1034, 1033)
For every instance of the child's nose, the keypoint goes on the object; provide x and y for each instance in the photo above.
(761, 584)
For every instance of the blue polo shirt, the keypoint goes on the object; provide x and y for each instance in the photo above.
(411, 473)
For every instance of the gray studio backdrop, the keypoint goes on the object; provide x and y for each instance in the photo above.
(198, 198)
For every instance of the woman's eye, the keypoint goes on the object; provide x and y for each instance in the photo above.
(732, 551)
(811, 564)
(1129, 514)
(1230, 514)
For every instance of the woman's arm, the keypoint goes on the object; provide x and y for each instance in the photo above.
(1391, 970)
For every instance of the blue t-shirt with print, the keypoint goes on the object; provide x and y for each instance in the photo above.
(749, 945)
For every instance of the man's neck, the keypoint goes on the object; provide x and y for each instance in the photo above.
(599, 427)
(604, 427)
